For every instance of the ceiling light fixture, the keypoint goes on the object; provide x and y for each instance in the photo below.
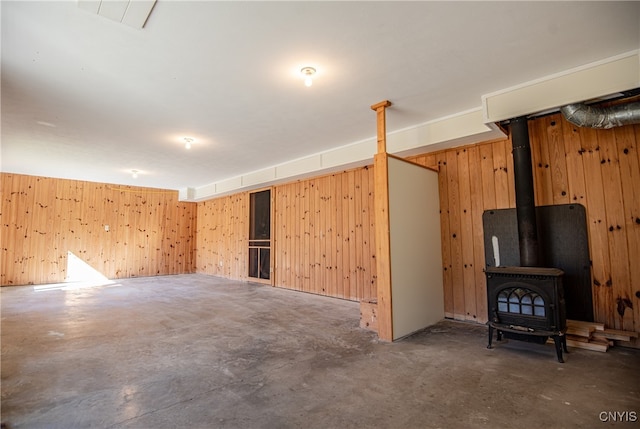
(187, 142)
(308, 73)
(134, 174)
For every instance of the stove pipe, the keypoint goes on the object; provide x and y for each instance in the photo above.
(525, 198)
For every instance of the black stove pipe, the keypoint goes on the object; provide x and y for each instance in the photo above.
(525, 198)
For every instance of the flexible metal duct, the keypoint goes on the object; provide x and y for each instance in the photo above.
(602, 117)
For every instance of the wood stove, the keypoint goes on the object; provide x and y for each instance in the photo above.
(527, 304)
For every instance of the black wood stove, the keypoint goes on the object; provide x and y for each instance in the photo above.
(526, 302)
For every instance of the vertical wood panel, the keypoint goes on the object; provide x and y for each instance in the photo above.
(44, 218)
(596, 219)
(540, 161)
(617, 236)
(325, 246)
(627, 153)
(447, 264)
(466, 237)
(476, 210)
(500, 175)
(557, 162)
(454, 235)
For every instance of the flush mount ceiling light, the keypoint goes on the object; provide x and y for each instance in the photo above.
(308, 73)
(187, 142)
(134, 174)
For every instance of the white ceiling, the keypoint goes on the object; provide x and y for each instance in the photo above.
(85, 97)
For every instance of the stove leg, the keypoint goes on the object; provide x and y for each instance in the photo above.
(564, 344)
(490, 337)
(558, 341)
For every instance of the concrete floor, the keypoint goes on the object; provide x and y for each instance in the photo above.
(195, 351)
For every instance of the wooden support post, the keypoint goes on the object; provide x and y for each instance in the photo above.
(382, 124)
(383, 241)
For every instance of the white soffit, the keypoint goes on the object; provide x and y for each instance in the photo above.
(599, 79)
(133, 13)
(451, 131)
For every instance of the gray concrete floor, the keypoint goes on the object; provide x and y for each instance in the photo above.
(195, 351)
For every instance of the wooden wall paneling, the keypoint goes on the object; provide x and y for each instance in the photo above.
(154, 208)
(288, 232)
(617, 237)
(346, 236)
(110, 253)
(288, 257)
(202, 237)
(220, 231)
(61, 216)
(431, 161)
(231, 215)
(12, 198)
(324, 231)
(228, 216)
(457, 275)
(138, 242)
(328, 220)
(57, 267)
(332, 287)
(627, 150)
(466, 237)
(241, 237)
(46, 229)
(447, 265)
(299, 222)
(318, 261)
(99, 237)
(70, 205)
(40, 237)
(310, 242)
(157, 210)
(353, 271)
(538, 135)
(307, 234)
(27, 256)
(51, 258)
(372, 235)
(330, 240)
(7, 232)
(367, 249)
(341, 250)
(324, 237)
(124, 210)
(31, 247)
(278, 241)
(476, 210)
(487, 177)
(227, 220)
(359, 238)
(634, 217)
(294, 233)
(557, 161)
(314, 239)
(501, 177)
(575, 170)
(596, 217)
